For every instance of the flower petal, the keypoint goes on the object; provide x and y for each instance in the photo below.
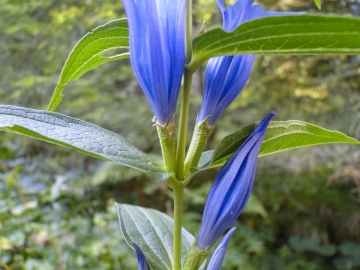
(219, 254)
(231, 189)
(234, 15)
(226, 76)
(157, 51)
(142, 264)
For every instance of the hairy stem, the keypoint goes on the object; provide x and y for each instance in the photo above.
(167, 141)
(201, 134)
(196, 258)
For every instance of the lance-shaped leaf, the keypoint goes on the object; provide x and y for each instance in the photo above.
(79, 135)
(280, 136)
(86, 54)
(295, 34)
(152, 231)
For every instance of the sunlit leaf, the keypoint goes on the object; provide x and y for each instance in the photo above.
(79, 135)
(296, 34)
(280, 136)
(86, 54)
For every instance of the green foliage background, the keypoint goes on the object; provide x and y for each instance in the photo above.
(56, 205)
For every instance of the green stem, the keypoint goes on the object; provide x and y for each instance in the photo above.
(181, 146)
(167, 141)
(184, 110)
(183, 122)
(196, 258)
(201, 134)
(178, 196)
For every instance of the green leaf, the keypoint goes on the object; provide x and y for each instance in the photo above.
(205, 160)
(350, 249)
(152, 231)
(318, 4)
(296, 34)
(309, 244)
(86, 54)
(280, 136)
(255, 206)
(79, 135)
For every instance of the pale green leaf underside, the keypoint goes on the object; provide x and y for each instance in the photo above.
(79, 135)
(152, 231)
(296, 34)
(86, 54)
(280, 136)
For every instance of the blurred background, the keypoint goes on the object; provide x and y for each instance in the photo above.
(57, 206)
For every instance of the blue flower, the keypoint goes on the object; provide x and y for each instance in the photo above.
(226, 76)
(231, 189)
(157, 51)
(219, 254)
(142, 264)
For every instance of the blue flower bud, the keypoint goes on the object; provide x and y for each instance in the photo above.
(226, 76)
(157, 51)
(219, 254)
(231, 189)
(142, 264)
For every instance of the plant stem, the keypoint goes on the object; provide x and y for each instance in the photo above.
(167, 141)
(201, 134)
(184, 110)
(178, 195)
(196, 258)
(181, 146)
(183, 122)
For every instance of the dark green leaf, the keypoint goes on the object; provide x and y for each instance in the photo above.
(309, 244)
(86, 54)
(350, 249)
(152, 231)
(280, 136)
(297, 34)
(79, 135)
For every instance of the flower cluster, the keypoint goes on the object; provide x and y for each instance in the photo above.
(157, 48)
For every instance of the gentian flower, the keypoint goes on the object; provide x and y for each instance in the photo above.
(231, 189)
(226, 76)
(219, 254)
(157, 51)
(142, 264)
